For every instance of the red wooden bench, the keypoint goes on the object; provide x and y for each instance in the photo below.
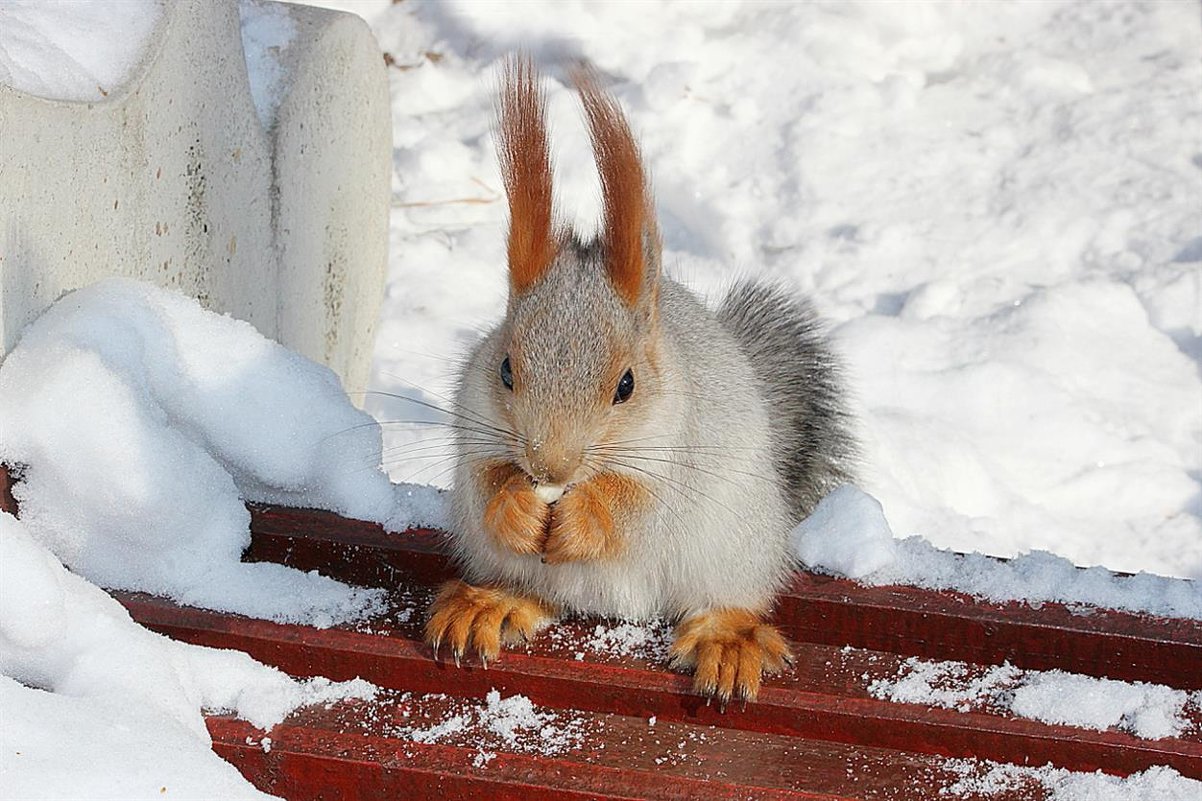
(624, 726)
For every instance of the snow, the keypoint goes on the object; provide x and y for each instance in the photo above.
(84, 49)
(512, 724)
(998, 212)
(97, 706)
(1149, 711)
(847, 535)
(144, 421)
(418, 505)
(267, 31)
(139, 754)
(982, 779)
(610, 641)
(645, 640)
(80, 50)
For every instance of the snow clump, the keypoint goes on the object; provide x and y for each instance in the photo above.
(142, 422)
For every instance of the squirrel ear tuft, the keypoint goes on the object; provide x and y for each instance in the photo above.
(526, 168)
(629, 236)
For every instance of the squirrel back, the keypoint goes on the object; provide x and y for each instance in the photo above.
(801, 382)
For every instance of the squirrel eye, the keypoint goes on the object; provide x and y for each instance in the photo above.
(625, 388)
(507, 373)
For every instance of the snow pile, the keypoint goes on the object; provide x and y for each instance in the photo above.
(143, 422)
(982, 779)
(80, 50)
(645, 640)
(997, 211)
(846, 535)
(1149, 711)
(96, 706)
(951, 685)
(419, 506)
(513, 724)
(267, 30)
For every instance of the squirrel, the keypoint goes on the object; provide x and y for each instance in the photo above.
(621, 449)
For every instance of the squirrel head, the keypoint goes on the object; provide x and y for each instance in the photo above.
(578, 356)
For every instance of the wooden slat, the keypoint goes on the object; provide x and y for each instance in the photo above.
(821, 609)
(8, 503)
(618, 757)
(946, 625)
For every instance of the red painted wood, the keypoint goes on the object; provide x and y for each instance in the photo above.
(7, 502)
(350, 550)
(823, 697)
(617, 757)
(946, 625)
(821, 609)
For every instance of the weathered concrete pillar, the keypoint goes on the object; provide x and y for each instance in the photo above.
(174, 179)
(333, 164)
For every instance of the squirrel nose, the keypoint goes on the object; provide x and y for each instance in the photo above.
(551, 464)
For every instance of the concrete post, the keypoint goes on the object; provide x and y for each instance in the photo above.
(173, 179)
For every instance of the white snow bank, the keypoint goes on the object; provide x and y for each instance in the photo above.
(96, 706)
(1149, 711)
(73, 51)
(143, 422)
(57, 747)
(982, 779)
(848, 535)
(418, 506)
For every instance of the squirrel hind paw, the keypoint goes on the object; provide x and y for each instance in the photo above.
(728, 651)
(481, 619)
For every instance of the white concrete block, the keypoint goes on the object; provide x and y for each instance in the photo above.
(172, 179)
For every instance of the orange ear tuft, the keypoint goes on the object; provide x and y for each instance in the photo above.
(629, 225)
(526, 168)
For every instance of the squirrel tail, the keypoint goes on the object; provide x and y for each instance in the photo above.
(802, 383)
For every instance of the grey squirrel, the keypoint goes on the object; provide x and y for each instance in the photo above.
(622, 450)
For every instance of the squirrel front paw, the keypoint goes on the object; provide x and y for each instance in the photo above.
(728, 651)
(582, 521)
(585, 521)
(464, 616)
(515, 517)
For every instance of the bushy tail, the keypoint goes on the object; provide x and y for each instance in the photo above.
(802, 381)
